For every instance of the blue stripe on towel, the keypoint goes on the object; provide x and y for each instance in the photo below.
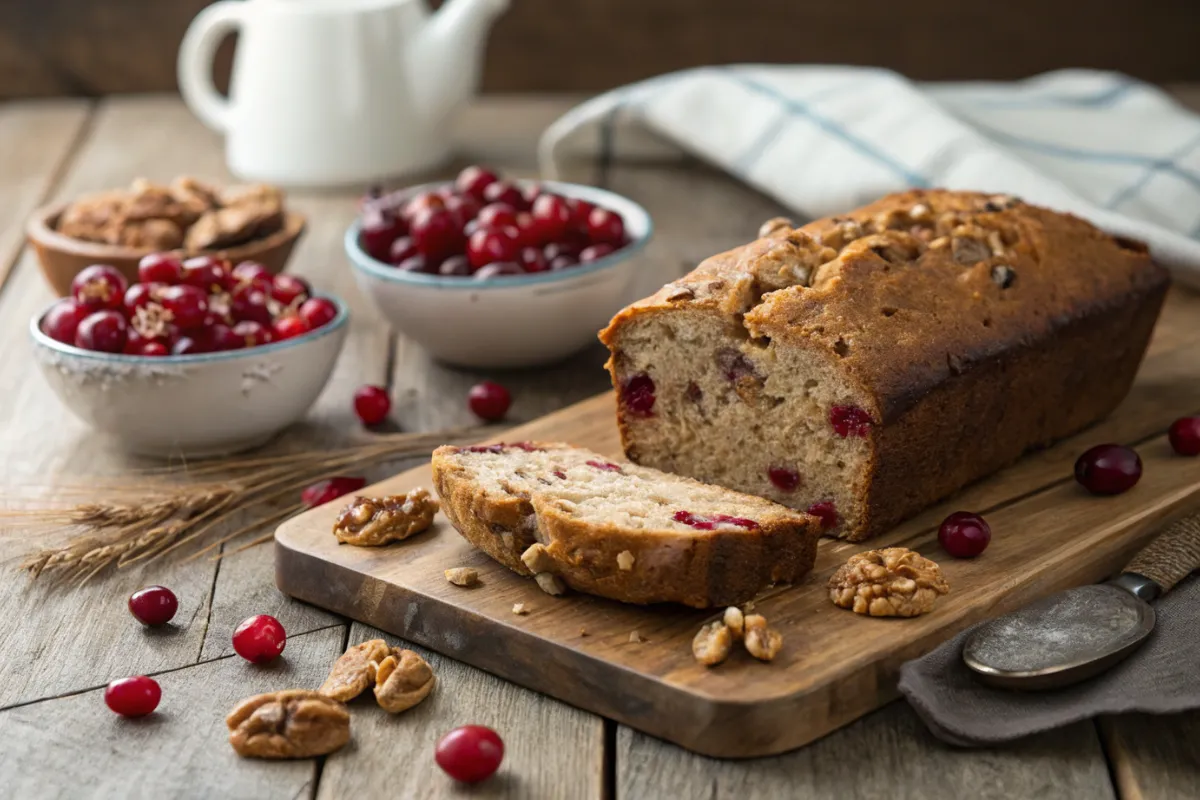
(1134, 188)
(1103, 99)
(798, 108)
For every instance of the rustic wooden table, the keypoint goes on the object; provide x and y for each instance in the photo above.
(60, 647)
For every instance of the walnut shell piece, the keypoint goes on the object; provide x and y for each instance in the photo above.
(762, 642)
(893, 582)
(462, 576)
(375, 521)
(295, 723)
(402, 680)
(712, 643)
(354, 671)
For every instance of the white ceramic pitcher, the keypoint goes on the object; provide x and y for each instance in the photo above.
(330, 92)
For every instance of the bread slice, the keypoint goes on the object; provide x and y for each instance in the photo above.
(620, 531)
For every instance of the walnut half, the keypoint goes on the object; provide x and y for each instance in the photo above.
(354, 671)
(712, 643)
(296, 723)
(402, 680)
(893, 582)
(373, 521)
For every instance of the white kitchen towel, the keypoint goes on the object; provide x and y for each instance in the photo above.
(823, 140)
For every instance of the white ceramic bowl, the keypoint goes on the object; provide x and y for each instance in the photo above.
(197, 405)
(512, 320)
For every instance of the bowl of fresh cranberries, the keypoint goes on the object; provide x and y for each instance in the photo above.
(196, 358)
(484, 271)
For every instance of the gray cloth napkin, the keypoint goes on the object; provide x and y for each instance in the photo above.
(1160, 677)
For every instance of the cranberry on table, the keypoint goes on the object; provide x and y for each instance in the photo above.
(326, 491)
(289, 327)
(103, 331)
(964, 535)
(605, 226)
(489, 245)
(474, 180)
(1184, 435)
(1108, 469)
(372, 404)
(489, 401)
(160, 268)
(99, 287)
(318, 311)
(470, 754)
(62, 320)
(188, 304)
(259, 639)
(153, 605)
(287, 289)
(498, 268)
(133, 697)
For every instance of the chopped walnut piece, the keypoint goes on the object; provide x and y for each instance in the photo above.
(354, 671)
(893, 582)
(373, 521)
(402, 680)
(761, 641)
(550, 583)
(920, 213)
(637, 638)
(295, 723)
(774, 225)
(734, 620)
(625, 560)
(712, 643)
(519, 609)
(675, 293)
(463, 576)
(537, 559)
(968, 249)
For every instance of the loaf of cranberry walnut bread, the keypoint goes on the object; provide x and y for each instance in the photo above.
(620, 531)
(863, 367)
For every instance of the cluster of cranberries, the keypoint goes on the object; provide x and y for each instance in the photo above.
(200, 305)
(482, 226)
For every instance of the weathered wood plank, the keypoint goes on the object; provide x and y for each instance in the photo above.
(1154, 757)
(887, 754)
(74, 746)
(552, 751)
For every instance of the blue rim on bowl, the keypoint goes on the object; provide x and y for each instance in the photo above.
(628, 209)
(35, 331)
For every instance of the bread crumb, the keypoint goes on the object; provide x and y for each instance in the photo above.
(637, 638)
(550, 583)
(462, 576)
(519, 609)
(583, 631)
(625, 560)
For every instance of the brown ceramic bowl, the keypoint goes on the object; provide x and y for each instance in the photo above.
(62, 257)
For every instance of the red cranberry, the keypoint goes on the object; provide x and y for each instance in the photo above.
(154, 605)
(372, 404)
(474, 180)
(289, 327)
(287, 289)
(637, 394)
(322, 492)
(421, 203)
(152, 349)
(498, 268)
(189, 346)
(248, 304)
(259, 639)
(826, 511)
(580, 210)
(402, 249)
(417, 263)
(1108, 469)
(188, 305)
(252, 334)
(562, 262)
(607, 466)
(488, 245)
(504, 192)
(455, 266)
(219, 337)
(551, 217)
(252, 272)
(784, 478)
(497, 215)
(318, 311)
(62, 320)
(160, 268)
(532, 260)
(1184, 435)
(133, 697)
(850, 421)
(470, 754)
(527, 232)
(596, 252)
(531, 193)
(709, 522)
(103, 331)
(489, 401)
(138, 295)
(436, 235)
(206, 273)
(463, 207)
(964, 535)
(99, 287)
(379, 229)
(605, 226)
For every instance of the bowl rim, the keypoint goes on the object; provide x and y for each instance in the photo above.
(40, 338)
(364, 262)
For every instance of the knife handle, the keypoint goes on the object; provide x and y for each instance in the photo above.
(1171, 556)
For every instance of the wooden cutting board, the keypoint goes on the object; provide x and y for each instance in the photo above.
(634, 664)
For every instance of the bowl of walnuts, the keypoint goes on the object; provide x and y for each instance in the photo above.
(188, 217)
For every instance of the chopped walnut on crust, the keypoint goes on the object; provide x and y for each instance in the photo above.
(354, 671)
(712, 643)
(402, 680)
(537, 559)
(463, 576)
(372, 521)
(893, 582)
(762, 642)
(625, 560)
(296, 723)
(775, 225)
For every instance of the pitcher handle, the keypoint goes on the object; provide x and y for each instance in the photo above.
(196, 54)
